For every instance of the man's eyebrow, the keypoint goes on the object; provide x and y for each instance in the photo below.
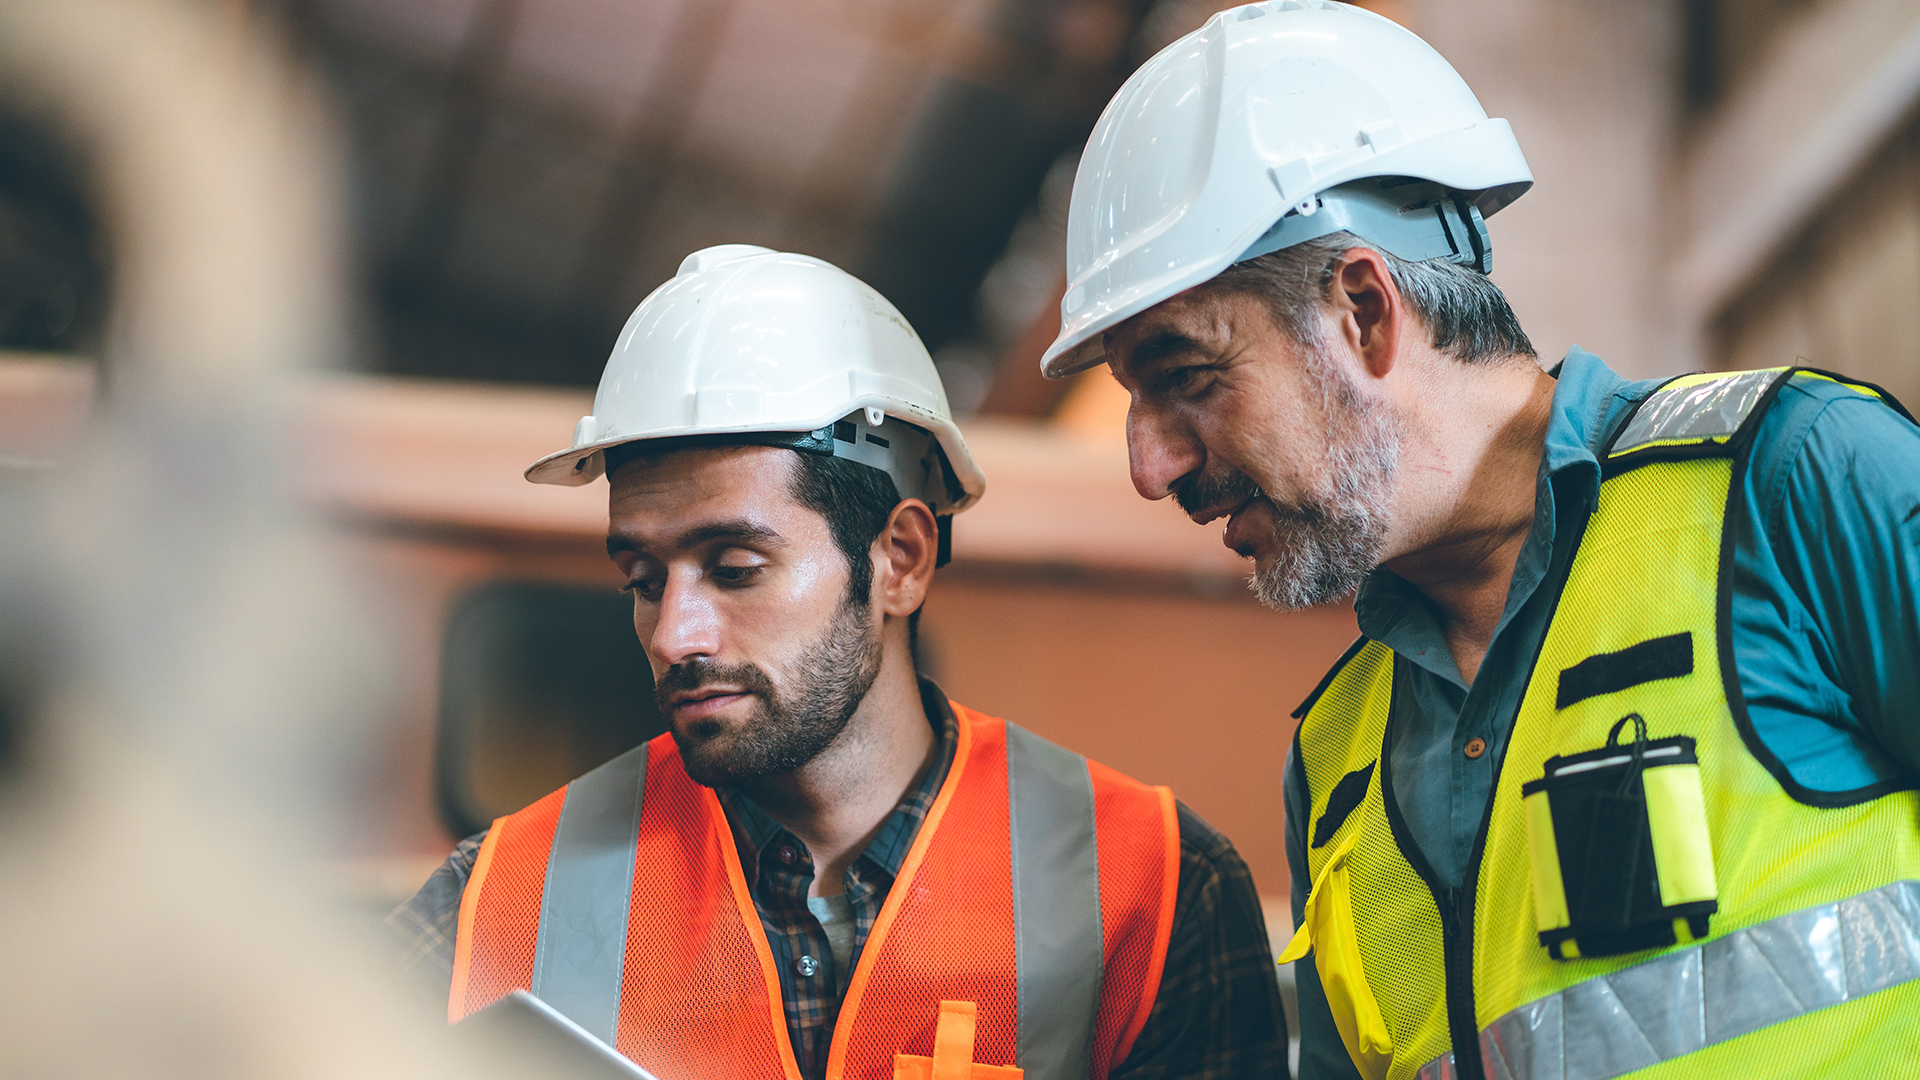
(738, 531)
(1160, 344)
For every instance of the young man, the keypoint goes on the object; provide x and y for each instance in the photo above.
(827, 869)
(1622, 775)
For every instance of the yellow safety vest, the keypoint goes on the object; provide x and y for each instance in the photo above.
(1648, 897)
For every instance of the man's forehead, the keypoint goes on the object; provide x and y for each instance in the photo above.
(1192, 320)
(689, 498)
(657, 497)
(703, 472)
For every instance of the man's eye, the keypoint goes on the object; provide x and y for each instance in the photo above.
(1180, 379)
(735, 575)
(647, 589)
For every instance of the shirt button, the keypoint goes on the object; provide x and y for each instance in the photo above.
(789, 856)
(1474, 748)
(806, 966)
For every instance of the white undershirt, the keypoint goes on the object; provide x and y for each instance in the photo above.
(836, 918)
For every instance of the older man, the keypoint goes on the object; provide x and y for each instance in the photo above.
(826, 868)
(1621, 775)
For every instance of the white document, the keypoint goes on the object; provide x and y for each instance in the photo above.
(527, 1021)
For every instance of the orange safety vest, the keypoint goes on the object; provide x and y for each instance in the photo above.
(1025, 932)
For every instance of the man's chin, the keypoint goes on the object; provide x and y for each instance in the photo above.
(1296, 585)
(696, 731)
(708, 763)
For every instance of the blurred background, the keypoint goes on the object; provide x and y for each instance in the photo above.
(1720, 183)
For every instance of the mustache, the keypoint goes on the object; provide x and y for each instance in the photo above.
(1198, 492)
(693, 674)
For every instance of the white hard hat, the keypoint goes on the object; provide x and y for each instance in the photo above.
(1254, 118)
(780, 349)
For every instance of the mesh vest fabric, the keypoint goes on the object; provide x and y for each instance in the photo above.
(700, 995)
(505, 893)
(1139, 881)
(1649, 565)
(1396, 923)
(929, 951)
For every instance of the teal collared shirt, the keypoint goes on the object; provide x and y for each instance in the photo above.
(1826, 640)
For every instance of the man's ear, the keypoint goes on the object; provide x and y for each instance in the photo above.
(904, 555)
(1370, 309)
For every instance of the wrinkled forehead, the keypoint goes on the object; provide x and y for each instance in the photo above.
(1202, 320)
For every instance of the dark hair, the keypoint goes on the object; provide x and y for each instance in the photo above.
(1466, 314)
(856, 501)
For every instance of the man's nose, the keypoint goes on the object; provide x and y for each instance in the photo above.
(1159, 453)
(684, 625)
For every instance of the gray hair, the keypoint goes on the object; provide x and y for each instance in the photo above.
(1466, 314)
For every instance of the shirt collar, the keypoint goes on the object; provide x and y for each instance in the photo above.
(1588, 399)
(755, 830)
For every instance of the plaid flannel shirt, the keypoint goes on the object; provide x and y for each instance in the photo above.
(1217, 1014)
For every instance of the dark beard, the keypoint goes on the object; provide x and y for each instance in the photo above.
(1324, 543)
(789, 729)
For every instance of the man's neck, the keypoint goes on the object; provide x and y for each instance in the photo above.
(1479, 467)
(838, 801)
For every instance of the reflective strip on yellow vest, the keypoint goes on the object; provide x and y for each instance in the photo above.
(1812, 946)
(1690, 999)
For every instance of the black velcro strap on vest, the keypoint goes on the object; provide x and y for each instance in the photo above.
(1347, 794)
(1661, 658)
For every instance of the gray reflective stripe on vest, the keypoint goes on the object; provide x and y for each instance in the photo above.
(579, 957)
(1059, 950)
(1709, 410)
(1688, 1000)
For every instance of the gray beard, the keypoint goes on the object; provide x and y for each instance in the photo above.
(1327, 543)
(788, 729)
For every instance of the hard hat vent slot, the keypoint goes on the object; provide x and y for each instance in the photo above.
(1292, 178)
(1384, 135)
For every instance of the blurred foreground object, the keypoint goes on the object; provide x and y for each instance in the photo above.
(176, 690)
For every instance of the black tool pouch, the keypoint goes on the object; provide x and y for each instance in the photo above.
(1618, 844)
